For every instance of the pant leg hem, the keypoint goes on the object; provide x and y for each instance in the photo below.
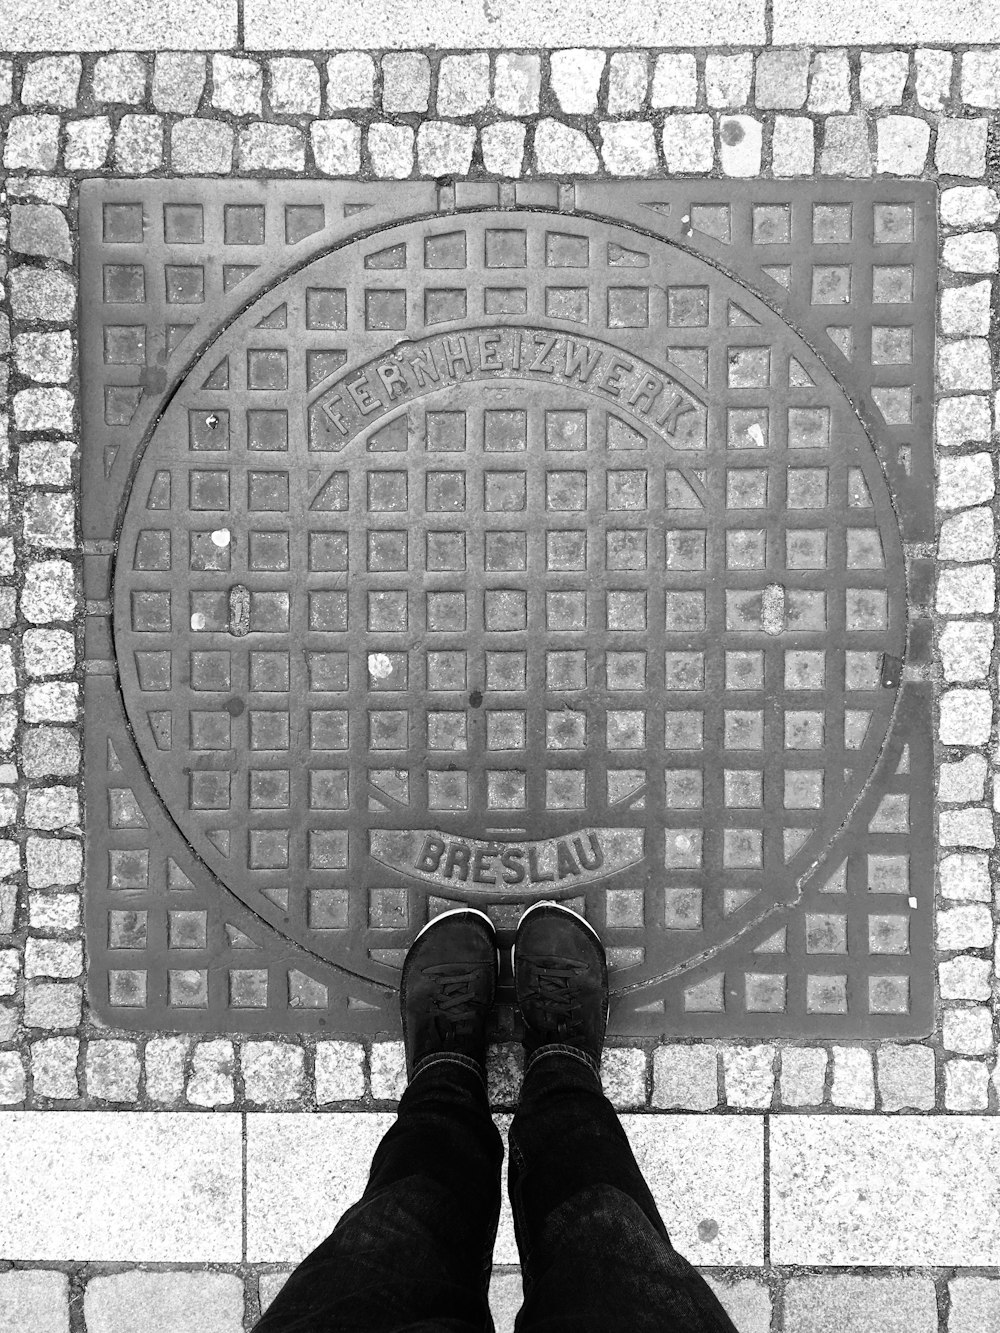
(558, 1048)
(450, 1058)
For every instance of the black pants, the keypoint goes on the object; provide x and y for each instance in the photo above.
(415, 1252)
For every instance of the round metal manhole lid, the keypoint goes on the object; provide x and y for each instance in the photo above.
(504, 556)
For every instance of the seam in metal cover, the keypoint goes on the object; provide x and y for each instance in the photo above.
(488, 543)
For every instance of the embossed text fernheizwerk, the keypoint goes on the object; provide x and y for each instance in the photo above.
(413, 369)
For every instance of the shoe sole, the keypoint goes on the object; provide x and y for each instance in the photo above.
(559, 907)
(461, 911)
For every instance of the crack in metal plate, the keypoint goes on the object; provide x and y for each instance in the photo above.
(496, 543)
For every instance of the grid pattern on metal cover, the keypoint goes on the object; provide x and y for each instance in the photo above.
(495, 543)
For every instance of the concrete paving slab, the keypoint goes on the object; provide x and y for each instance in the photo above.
(885, 1191)
(746, 1301)
(897, 22)
(34, 1299)
(94, 25)
(866, 1304)
(111, 1187)
(290, 24)
(179, 1302)
(707, 1177)
(302, 1173)
(293, 1160)
(506, 1295)
(269, 1284)
(974, 1304)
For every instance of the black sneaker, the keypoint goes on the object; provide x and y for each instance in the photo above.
(448, 986)
(561, 980)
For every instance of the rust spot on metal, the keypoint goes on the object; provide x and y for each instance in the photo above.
(239, 610)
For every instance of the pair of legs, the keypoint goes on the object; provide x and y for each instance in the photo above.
(415, 1252)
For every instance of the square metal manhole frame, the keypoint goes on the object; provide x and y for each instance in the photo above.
(232, 951)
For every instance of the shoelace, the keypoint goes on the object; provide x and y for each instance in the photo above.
(454, 1005)
(552, 989)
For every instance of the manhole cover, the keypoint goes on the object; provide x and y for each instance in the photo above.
(506, 543)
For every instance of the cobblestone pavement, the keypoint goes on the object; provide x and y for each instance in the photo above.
(874, 1160)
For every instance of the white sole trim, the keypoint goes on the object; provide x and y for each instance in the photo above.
(460, 911)
(455, 911)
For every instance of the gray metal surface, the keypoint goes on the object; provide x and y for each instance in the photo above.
(490, 543)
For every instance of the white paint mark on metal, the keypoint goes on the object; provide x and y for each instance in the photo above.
(379, 665)
(239, 610)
